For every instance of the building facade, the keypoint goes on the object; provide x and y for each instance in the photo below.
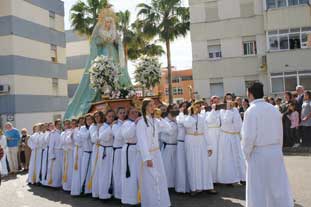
(33, 75)
(77, 52)
(236, 43)
(182, 83)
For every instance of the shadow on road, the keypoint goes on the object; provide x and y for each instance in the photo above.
(227, 197)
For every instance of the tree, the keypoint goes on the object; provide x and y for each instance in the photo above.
(168, 20)
(135, 42)
(84, 15)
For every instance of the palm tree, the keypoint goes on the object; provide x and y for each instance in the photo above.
(84, 15)
(168, 20)
(135, 42)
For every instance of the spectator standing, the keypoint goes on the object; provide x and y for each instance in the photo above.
(306, 119)
(24, 150)
(3, 164)
(294, 128)
(278, 103)
(299, 99)
(13, 137)
(286, 122)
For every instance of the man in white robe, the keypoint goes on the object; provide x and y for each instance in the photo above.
(262, 134)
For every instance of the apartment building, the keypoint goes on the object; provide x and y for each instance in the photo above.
(236, 43)
(33, 75)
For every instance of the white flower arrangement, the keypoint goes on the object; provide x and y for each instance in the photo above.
(104, 73)
(148, 72)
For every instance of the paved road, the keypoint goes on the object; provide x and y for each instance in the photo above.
(16, 193)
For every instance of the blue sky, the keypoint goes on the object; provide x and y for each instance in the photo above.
(181, 48)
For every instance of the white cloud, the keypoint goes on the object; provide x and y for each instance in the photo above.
(181, 48)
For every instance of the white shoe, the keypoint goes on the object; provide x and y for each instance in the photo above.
(296, 145)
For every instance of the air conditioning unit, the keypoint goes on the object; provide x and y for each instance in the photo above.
(4, 89)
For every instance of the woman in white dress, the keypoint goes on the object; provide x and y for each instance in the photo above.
(86, 166)
(117, 147)
(106, 157)
(213, 132)
(45, 154)
(231, 163)
(93, 184)
(67, 145)
(130, 160)
(152, 181)
(198, 150)
(35, 158)
(77, 159)
(182, 182)
(3, 164)
(169, 129)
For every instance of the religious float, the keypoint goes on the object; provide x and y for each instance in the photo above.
(105, 83)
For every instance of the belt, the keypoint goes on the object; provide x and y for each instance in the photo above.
(232, 133)
(89, 152)
(213, 127)
(180, 140)
(165, 144)
(104, 153)
(195, 134)
(154, 149)
(116, 148)
(128, 172)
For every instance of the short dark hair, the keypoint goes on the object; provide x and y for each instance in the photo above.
(256, 89)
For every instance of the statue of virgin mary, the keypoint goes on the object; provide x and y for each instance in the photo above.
(104, 41)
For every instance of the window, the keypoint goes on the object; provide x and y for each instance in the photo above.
(292, 39)
(288, 81)
(55, 83)
(166, 91)
(178, 91)
(270, 4)
(214, 52)
(249, 48)
(52, 19)
(186, 78)
(217, 89)
(54, 53)
(176, 79)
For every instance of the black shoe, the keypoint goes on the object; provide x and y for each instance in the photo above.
(243, 182)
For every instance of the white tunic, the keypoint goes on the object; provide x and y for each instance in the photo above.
(3, 164)
(169, 135)
(77, 163)
(86, 166)
(182, 183)
(67, 145)
(55, 160)
(212, 122)
(105, 160)
(35, 158)
(93, 185)
(117, 145)
(267, 182)
(231, 162)
(152, 181)
(130, 163)
(45, 158)
(197, 146)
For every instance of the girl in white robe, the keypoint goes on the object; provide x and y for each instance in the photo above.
(106, 157)
(45, 154)
(152, 181)
(231, 163)
(182, 183)
(54, 175)
(77, 160)
(93, 184)
(169, 131)
(117, 147)
(130, 160)
(213, 132)
(67, 145)
(86, 166)
(3, 164)
(35, 158)
(197, 150)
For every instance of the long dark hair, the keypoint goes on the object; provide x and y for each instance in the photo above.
(101, 115)
(146, 101)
